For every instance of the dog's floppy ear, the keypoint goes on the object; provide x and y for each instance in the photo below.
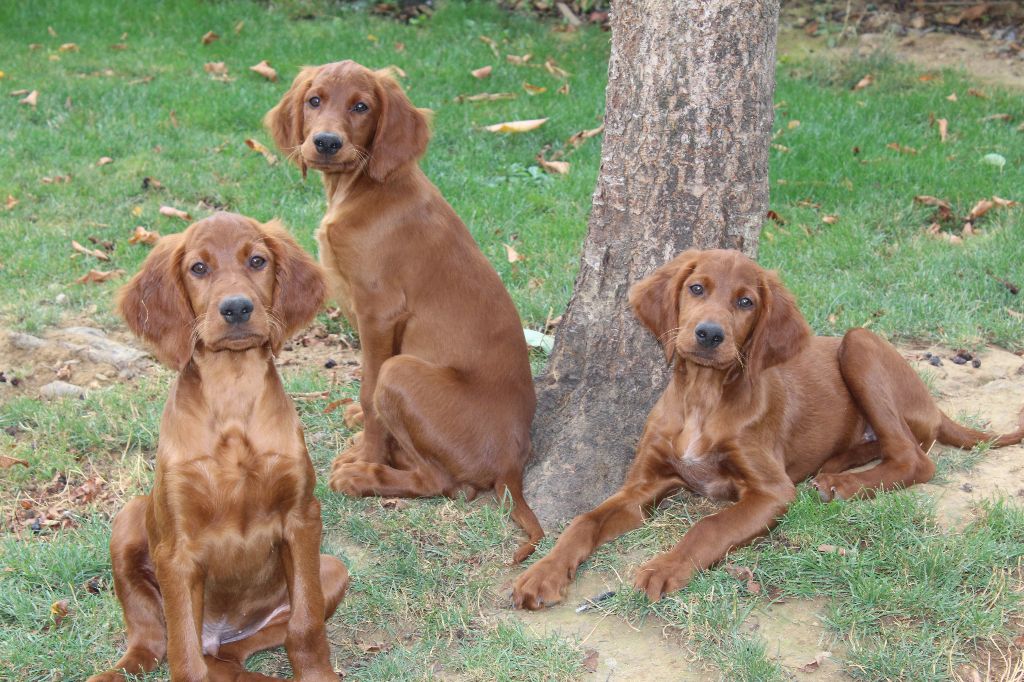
(155, 306)
(780, 331)
(299, 288)
(403, 131)
(284, 121)
(655, 299)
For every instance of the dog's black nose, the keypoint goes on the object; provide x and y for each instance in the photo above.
(327, 143)
(709, 334)
(236, 309)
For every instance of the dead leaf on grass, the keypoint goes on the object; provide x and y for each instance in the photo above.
(744, 573)
(486, 97)
(266, 70)
(143, 236)
(554, 69)
(104, 160)
(58, 612)
(589, 662)
(951, 97)
(491, 44)
(55, 180)
(932, 201)
(119, 47)
(99, 276)
(95, 253)
(556, 167)
(11, 202)
(832, 549)
(31, 99)
(864, 82)
(68, 47)
(980, 209)
(516, 126)
(335, 404)
(564, 90)
(830, 219)
(6, 462)
(239, 26)
(257, 147)
(513, 255)
(533, 89)
(1003, 203)
(577, 139)
(218, 71)
(394, 503)
(17, 93)
(209, 37)
(482, 72)
(998, 117)
(902, 149)
(975, 92)
(518, 60)
(172, 212)
(943, 129)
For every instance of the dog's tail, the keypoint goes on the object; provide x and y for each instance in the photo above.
(521, 514)
(951, 433)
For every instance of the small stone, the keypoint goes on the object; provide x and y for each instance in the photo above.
(330, 363)
(967, 487)
(959, 360)
(61, 299)
(975, 363)
(36, 526)
(927, 356)
(58, 389)
(935, 360)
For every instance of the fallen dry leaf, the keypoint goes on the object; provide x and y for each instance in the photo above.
(1002, 203)
(951, 97)
(218, 71)
(943, 129)
(578, 138)
(533, 89)
(590, 657)
(7, 462)
(491, 44)
(975, 92)
(968, 230)
(864, 82)
(744, 573)
(793, 124)
(209, 37)
(239, 26)
(926, 77)
(58, 612)
(394, 503)
(932, 201)
(775, 217)
(998, 117)
(980, 209)
(95, 253)
(564, 90)
(554, 69)
(482, 72)
(104, 160)
(119, 46)
(31, 99)
(513, 255)
(518, 59)
(832, 549)
(896, 146)
(486, 97)
(68, 47)
(816, 663)
(11, 202)
(335, 404)
(173, 116)
(55, 180)
(257, 147)
(171, 212)
(17, 93)
(556, 167)
(143, 236)
(516, 126)
(830, 219)
(99, 276)
(266, 70)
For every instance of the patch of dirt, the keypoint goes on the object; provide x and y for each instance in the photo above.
(993, 392)
(795, 635)
(988, 47)
(649, 652)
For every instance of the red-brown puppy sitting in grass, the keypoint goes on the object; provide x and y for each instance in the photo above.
(447, 397)
(222, 559)
(755, 405)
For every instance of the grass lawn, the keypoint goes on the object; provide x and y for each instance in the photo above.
(909, 601)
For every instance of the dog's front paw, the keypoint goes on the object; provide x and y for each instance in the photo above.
(662, 575)
(353, 415)
(348, 477)
(541, 585)
(836, 486)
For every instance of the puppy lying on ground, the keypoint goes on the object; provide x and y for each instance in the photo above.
(447, 396)
(755, 405)
(222, 559)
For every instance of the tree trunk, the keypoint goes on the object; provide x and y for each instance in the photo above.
(688, 121)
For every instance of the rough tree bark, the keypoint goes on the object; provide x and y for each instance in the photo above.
(684, 164)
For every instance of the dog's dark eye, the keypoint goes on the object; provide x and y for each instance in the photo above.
(200, 268)
(360, 107)
(745, 302)
(314, 102)
(257, 262)
(696, 289)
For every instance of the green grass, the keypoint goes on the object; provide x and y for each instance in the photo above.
(909, 601)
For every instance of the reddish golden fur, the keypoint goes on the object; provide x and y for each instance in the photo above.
(749, 418)
(228, 540)
(447, 397)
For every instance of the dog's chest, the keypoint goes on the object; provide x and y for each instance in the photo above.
(699, 462)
